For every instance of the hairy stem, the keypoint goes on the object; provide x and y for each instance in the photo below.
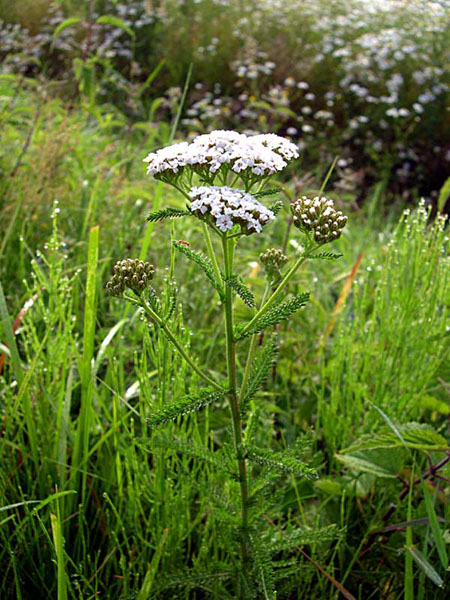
(228, 251)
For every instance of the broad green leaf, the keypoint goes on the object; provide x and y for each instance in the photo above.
(114, 22)
(414, 436)
(377, 462)
(67, 23)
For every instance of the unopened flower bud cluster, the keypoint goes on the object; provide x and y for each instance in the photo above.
(130, 273)
(273, 261)
(318, 216)
(259, 155)
(227, 207)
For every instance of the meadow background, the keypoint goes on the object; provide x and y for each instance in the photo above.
(92, 504)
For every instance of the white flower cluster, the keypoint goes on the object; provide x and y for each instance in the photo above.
(229, 207)
(259, 155)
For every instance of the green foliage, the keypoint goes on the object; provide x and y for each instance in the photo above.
(179, 505)
(275, 315)
(241, 290)
(263, 567)
(261, 366)
(326, 256)
(167, 213)
(301, 536)
(398, 305)
(416, 436)
(184, 406)
(265, 193)
(380, 462)
(276, 207)
(203, 262)
(280, 461)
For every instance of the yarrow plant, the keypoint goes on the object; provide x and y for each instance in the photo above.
(218, 163)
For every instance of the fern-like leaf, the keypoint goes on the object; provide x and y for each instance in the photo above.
(327, 255)
(276, 207)
(188, 448)
(184, 406)
(241, 290)
(283, 462)
(263, 193)
(189, 579)
(302, 536)
(261, 367)
(282, 312)
(172, 304)
(203, 262)
(262, 566)
(168, 213)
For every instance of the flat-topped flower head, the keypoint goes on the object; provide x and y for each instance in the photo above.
(250, 157)
(318, 216)
(226, 207)
(130, 273)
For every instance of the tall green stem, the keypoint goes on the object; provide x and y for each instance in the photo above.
(228, 252)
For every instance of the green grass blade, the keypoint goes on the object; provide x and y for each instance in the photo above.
(59, 550)
(9, 334)
(81, 446)
(408, 574)
(152, 569)
(436, 530)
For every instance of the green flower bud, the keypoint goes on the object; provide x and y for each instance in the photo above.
(130, 273)
(320, 217)
(273, 261)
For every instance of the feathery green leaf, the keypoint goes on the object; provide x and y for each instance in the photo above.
(327, 255)
(263, 193)
(168, 213)
(302, 536)
(241, 290)
(279, 461)
(191, 449)
(279, 313)
(203, 262)
(261, 366)
(184, 406)
(262, 565)
(276, 207)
